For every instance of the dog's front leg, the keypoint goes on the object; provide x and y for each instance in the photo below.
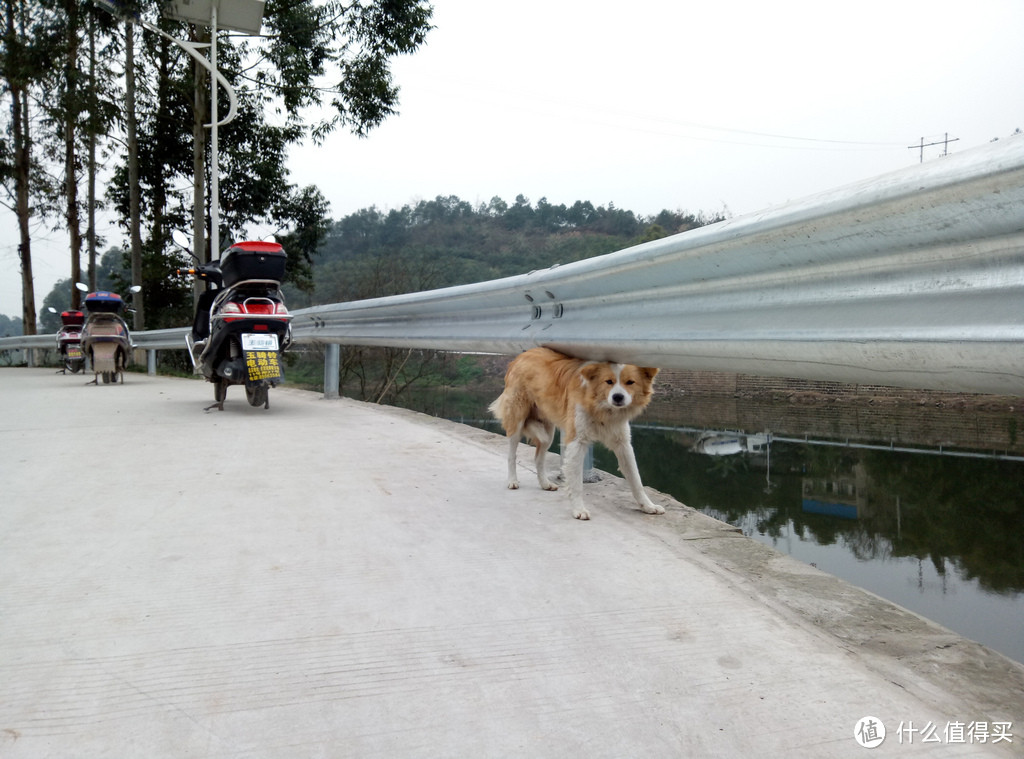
(572, 470)
(627, 465)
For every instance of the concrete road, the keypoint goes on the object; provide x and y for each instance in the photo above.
(338, 579)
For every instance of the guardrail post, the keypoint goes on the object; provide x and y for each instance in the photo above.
(332, 370)
(590, 474)
(151, 363)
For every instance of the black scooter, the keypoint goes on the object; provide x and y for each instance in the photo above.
(241, 327)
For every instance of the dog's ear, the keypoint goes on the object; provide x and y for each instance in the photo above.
(589, 372)
(649, 371)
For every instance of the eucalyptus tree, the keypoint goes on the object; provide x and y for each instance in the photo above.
(319, 65)
(60, 104)
(103, 95)
(79, 99)
(27, 52)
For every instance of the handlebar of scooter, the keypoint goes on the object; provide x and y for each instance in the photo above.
(208, 272)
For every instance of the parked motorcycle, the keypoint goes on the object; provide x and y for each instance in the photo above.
(241, 327)
(106, 340)
(69, 341)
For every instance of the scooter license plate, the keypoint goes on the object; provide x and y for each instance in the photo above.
(262, 365)
(261, 356)
(265, 341)
(73, 351)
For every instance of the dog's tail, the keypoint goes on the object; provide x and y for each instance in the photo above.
(497, 409)
(508, 409)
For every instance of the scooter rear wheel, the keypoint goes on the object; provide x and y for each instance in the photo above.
(258, 395)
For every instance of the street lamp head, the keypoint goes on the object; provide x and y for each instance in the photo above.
(244, 16)
(119, 8)
(237, 15)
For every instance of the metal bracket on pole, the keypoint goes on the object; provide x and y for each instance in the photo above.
(242, 15)
(192, 48)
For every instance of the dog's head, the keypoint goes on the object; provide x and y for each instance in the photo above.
(618, 386)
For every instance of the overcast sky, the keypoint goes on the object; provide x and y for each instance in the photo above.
(723, 105)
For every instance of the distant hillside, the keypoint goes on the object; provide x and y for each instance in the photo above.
(447, 241)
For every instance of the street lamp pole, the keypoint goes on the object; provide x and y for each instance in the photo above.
(214, 151)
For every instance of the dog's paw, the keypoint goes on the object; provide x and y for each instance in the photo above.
(652, 508)
(513, 485)
(581, 513)
(549, 485)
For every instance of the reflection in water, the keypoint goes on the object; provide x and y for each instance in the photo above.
(940, 535)
(922, 504)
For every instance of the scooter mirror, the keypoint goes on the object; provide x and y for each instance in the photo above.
(135, 289)
(181, 239)
(83, 288)
(51, 309)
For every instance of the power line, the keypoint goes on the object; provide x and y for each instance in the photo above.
(944, 142)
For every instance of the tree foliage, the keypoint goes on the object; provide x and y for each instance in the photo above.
(319, 65)
(446, 241)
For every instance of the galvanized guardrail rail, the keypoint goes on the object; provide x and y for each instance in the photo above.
(913, 279)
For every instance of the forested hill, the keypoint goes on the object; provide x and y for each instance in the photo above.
(447, 241)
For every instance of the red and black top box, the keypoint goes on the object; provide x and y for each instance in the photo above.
(253, 260)
(72, 318)
(103, 301)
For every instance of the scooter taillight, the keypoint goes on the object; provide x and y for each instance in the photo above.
(265, 308)
(231, 308)
(254, 307)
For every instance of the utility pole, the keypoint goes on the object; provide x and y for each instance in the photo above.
(944, 142)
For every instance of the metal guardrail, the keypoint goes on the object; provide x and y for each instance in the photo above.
(914, 279)
(156, 339)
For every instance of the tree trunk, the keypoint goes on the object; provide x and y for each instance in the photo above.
(70, 173)
(90, 233)
(19, 109)
(22, 153)
(133, 174)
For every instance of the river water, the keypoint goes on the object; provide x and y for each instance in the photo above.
(920, 502)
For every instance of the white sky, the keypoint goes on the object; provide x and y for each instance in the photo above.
(730, 105)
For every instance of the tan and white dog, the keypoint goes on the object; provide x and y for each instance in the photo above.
(589, 401)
